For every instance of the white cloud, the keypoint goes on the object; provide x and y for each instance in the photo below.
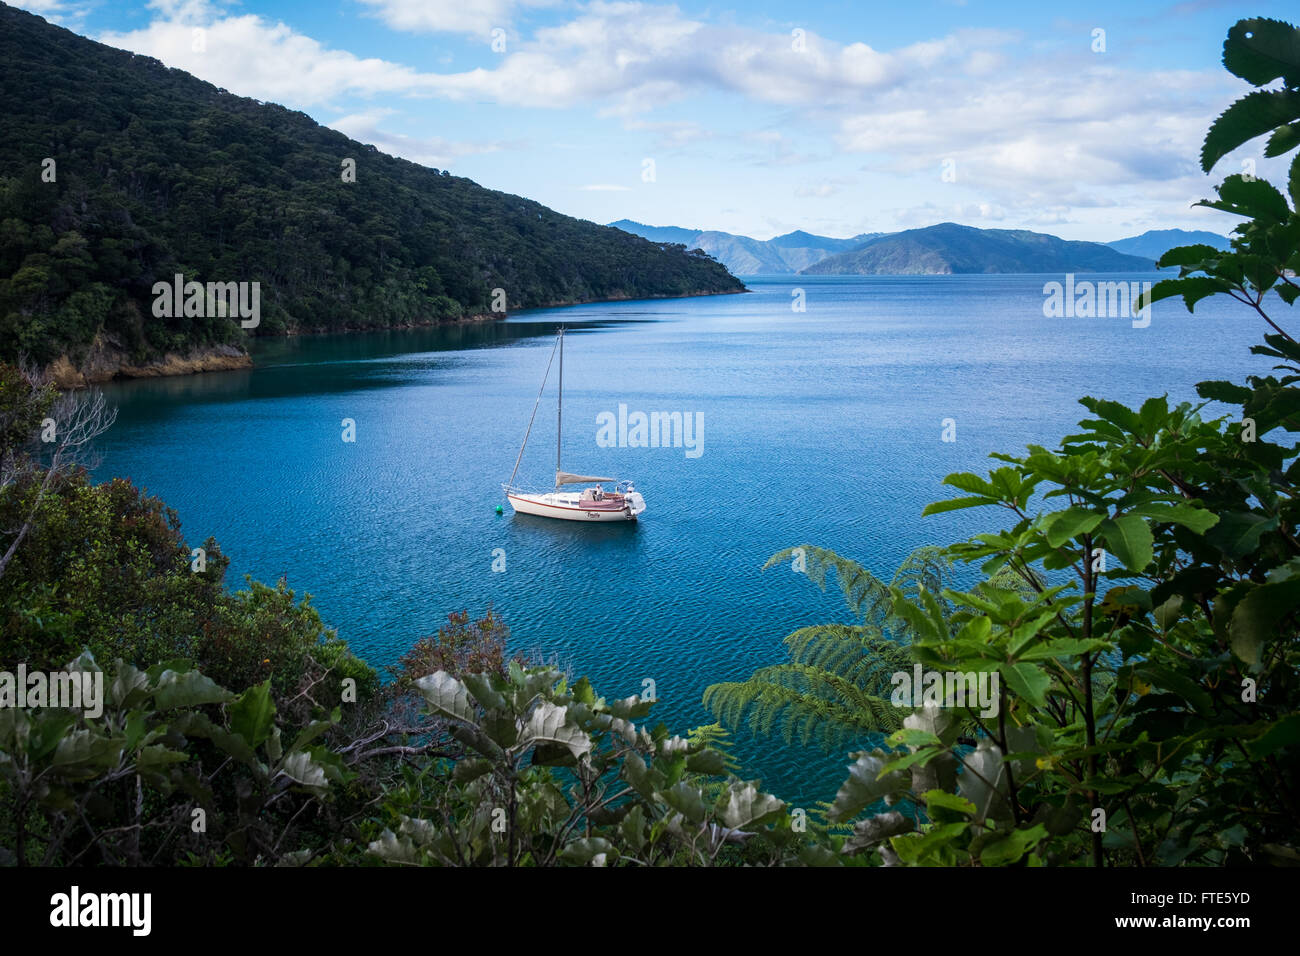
(672, 134)
(186, 11)
(444, 16)
(643, 56)
(1049, 139)
(775, 148)
(254, 57)
(44, 8)
(822, 189)
(1034, 137)
(67, 13)
(984, 214)
(475, 17)
(428, 151)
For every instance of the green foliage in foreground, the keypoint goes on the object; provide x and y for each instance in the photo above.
(106, 569)
(174, 768)
(556, 774)
(836, 686)
(1140, 607)
(177, 768)
(1266, 247)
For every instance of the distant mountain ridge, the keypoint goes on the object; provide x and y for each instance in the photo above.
(1156, 242)
(783, 255)
(945, 248)
(952, 249)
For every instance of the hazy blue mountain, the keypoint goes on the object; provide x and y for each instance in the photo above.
(745, 256)
(806, 240)
(659, 233)
(949, 248)
(1154, 243)
(800, 249)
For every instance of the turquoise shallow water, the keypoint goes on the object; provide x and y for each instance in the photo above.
(823, 427)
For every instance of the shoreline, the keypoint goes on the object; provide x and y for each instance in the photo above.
(106, 362)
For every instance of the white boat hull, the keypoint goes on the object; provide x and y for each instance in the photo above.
(568, 506)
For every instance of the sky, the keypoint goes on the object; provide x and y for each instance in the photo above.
(1083, 120)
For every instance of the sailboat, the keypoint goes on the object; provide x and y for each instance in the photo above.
(622, 503)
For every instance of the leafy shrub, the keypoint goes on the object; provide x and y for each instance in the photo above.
(460, 647)
(176, 767)
(554, 774)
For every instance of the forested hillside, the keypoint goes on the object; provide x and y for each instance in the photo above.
(155, 172)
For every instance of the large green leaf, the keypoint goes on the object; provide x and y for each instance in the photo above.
(83, 754)
(1237, 533)
(1283, 140)
(46, 730)
(129, 686)
(1192, 288)
(708, 761)
(253, 715)
(937, 801)
(1293, 187)
(1226, 392)
(447, 696)
(687, 800)
(1253, 198)
(744, 804)
(1199, 520)
(1253, 115)
(915, 848)
(1062, 526)
(187, 689)
(1027, 681)
(469, 769)
(550, 723)
(1128, 538)
(1192, 255)
(1255, 618)
(972, 484)
(1012, 847)
(862, 788)
(956, 504)
(1284, 733)
(1259, 50)
(596, 851)
(302, 768)
(875, 829)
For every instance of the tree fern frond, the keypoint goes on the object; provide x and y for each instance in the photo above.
(803, 703)
(835, 686)
(861, 655)
(715, 737)
(927, 568)
(866, 595)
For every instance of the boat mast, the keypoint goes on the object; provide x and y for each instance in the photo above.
(559, 411)
(537, 404)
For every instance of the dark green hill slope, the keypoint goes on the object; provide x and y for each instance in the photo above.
(157, 172)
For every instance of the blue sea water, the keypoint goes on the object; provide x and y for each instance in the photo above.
(824, 426)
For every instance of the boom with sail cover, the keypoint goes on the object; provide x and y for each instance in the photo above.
(564, 478)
